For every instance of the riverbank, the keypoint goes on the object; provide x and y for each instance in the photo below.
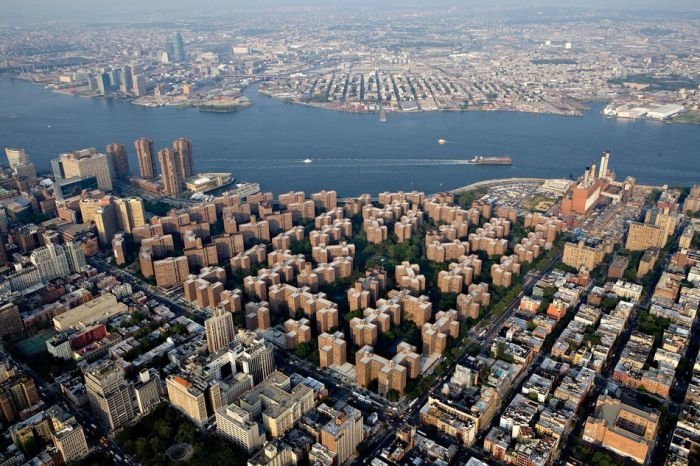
(206, 100)
(351, 153)
(487, 183)
(358, 109)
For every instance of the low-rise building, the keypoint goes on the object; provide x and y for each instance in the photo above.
(626, 430)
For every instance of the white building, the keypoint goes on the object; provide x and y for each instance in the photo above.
(629, 291)
(52, 262)
(237, 425)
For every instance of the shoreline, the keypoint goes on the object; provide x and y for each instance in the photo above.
(328, 107)
(485, 183)
(324, 106)
(320, 106)
(495, 181)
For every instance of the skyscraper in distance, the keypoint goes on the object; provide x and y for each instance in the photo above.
(120, 160)
(126, 83)
(145, 157)
(140, 85)
(183, 157)
(178, 48)
(172, 181)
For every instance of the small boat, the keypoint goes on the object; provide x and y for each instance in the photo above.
(441, 141)
(308, 160)
(382, 116)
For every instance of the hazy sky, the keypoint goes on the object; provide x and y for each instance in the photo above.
(96, 10)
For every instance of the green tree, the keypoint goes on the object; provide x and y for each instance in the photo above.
(302, 350)
(392, 395)
(163, 429)
(447, 301)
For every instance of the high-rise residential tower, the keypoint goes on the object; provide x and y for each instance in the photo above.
(75, 256)
(16, 157)
(67, 435)
(107, 222)
(120, 160)
(146, 157)
(20, 163)
(183, 156)
(255, 356)
(130, 213)
(140, 85)
(172, 180)
(343, 433)
(220, 330)
(126, 83)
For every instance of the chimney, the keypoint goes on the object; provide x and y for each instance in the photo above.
(604, 164)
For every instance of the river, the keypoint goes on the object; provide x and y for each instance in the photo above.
(352, 153)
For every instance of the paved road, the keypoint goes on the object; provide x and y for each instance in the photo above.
(178, 306)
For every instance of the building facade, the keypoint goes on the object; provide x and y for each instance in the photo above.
(145, 157)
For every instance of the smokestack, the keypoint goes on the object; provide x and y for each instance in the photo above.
(604, 164)
(585, 175)
(593, 173)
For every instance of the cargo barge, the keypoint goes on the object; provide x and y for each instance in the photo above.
(481, 160)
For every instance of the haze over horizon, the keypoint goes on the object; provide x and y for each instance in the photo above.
(86, 10)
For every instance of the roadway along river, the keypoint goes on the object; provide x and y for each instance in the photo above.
(352, 153)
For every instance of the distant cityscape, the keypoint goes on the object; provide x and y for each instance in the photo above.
(643, 68)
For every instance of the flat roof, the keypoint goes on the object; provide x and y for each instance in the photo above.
(101, 308)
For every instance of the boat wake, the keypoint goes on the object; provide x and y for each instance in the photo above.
(345, 163)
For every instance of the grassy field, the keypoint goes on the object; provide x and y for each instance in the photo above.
(692, 118)
(540, 204)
